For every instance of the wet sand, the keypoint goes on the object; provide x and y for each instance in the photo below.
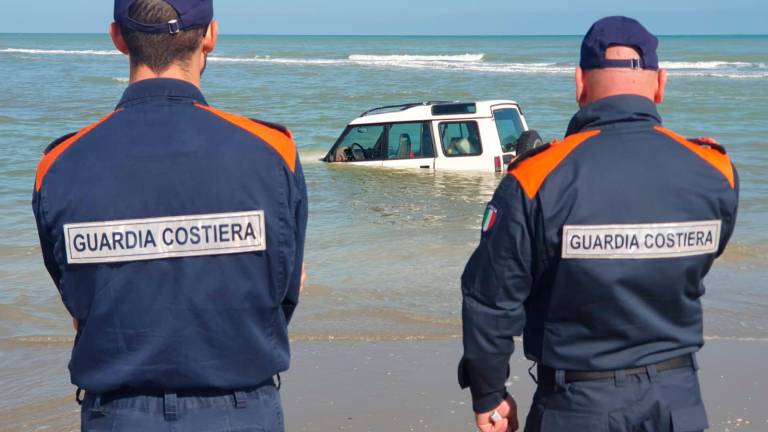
(393, 386)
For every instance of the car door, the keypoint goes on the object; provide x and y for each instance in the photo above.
(360, 145)
(410, 145)
(461, 146)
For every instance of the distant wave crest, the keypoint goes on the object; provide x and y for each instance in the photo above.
(463, 58)
(461, 62)
(60, 52)
(468, 62)
(478, 63)
(711, 65)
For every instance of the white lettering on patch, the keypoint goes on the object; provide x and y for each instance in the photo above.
(167, 237)
(641, 241)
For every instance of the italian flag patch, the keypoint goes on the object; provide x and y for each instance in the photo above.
(489, 220)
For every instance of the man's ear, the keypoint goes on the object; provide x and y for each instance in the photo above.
(581, 91)
(662, 86)
(117, 38)
(211, 37)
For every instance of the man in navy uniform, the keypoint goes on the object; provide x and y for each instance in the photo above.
(175, 234)
(595, 248)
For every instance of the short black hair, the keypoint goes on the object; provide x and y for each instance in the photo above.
(159, 51)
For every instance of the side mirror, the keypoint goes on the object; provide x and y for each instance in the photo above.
(528, 141)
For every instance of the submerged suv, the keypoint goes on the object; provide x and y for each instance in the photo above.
(475, 136)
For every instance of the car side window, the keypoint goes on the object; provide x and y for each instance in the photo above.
(409, 141)
(361, 143)
(509, 126)
(460, 138)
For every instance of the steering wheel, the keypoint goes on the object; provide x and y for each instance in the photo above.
(353, 154)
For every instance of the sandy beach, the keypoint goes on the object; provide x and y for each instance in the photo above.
(406, 386)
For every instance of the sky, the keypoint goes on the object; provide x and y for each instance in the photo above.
(413, 17)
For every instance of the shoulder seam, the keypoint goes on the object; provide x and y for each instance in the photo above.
(280, 142)
(532, 172)
(719, 161)
(50, 157)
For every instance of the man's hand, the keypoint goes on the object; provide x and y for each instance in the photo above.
(303, 279)
(507, 418)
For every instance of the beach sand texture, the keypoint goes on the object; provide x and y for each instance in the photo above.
(411, 386)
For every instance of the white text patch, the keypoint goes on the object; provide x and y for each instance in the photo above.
(168, 237)
(641, 241)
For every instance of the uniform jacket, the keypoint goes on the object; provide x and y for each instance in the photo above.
(175, 235)
(595, 249)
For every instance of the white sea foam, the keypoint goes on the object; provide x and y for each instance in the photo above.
(709, 65)
(405, 58)
(469, 62)
(278, 60)
(464, 62)
(60, 52)
(477, 63)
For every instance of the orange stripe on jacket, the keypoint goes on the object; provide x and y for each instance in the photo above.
(532, 173)
(718, 160)
(47, 162)
(282, 143)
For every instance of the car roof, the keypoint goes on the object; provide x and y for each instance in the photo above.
(423, 111)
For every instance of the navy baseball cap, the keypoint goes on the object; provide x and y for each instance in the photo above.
(619, 30)
(191, 14)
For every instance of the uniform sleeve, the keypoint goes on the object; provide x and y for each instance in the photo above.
(300, 212)
(496, 282)
(730, 212)
(46, 242)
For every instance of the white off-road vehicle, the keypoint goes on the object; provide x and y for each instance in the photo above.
(445, 136)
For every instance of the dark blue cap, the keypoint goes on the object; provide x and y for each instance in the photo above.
(191, 14)
(619, 30)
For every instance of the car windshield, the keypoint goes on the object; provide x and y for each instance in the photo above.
(509, 126)
(360, 143)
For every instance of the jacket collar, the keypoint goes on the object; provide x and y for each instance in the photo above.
(615, 110)
(163, 88)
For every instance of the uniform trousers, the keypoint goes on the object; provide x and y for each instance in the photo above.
(258, 409)
(668, 401)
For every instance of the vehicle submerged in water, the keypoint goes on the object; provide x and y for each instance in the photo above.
(444, 136)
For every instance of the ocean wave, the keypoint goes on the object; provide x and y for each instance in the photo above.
(477, 63)
(462, 58)
(469, 62)
(710, 65)
(277, 60)
(465, 62)
(729, 75)
(60, 52)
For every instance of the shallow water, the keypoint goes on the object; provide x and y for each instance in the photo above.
(385, 248)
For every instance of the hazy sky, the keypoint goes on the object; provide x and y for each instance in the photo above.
(414, 17)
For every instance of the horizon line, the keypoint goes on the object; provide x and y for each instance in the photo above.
(407, 35)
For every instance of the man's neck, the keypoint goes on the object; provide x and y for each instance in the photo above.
(141, 73)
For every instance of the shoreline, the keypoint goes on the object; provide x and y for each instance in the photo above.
(395, 386)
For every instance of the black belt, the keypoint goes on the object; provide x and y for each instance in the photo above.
(546, 375)
(124, 393)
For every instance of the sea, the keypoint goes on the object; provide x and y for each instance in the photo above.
(385, 248)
